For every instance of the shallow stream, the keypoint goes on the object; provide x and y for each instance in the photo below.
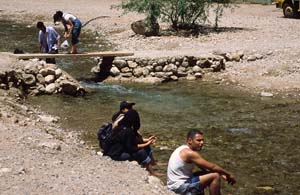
(256, 138)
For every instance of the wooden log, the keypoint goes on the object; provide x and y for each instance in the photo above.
(63, 55)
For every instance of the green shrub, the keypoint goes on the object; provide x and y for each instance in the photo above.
(181, 14)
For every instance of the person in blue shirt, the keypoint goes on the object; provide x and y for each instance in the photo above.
(49, 40)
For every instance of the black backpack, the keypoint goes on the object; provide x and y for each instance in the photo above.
(104, 137)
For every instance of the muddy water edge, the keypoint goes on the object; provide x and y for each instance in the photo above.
(256, 138)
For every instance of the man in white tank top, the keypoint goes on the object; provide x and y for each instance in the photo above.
(181, 178)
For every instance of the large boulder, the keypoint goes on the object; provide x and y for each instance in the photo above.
(40, 78)
(142, 27)
(31, 68)
(47, 71)
(132, 64)
(58, 73)
(69, 88)
(49, 79)
(120, 63)
(170, 68)
(114, 71)
(138, 71)
(29, 79)
(51, 88)
(3, 77)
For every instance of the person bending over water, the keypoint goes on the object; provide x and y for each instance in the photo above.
(49, 40)
(72, 27)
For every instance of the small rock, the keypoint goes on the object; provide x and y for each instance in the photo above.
(5, 170)
(251, 58)
(21, 171)
(198, 75)
(51, 145)
(266, 94)
(163, 148)
(48, 119)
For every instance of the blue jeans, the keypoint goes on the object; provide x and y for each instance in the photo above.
(76, 31)
(192, 186)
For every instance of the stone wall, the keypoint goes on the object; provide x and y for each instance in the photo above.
(171, 69)
(36, 78)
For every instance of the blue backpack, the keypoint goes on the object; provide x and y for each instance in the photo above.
(104, 137)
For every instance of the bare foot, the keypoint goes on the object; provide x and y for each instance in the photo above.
(156, 174)
(162, 164)
(153, 162)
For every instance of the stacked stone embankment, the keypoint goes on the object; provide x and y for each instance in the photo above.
(166, 69)
(37, 78)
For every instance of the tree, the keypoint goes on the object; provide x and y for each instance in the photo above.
(181, 14)
(150, 7)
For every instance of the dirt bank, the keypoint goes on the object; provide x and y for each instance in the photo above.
(38, 157)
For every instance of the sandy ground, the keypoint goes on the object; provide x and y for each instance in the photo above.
(37, 157)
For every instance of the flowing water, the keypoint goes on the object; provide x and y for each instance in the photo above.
(256, 138)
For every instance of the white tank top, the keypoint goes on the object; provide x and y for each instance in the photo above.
(67, 17)
(178, 170)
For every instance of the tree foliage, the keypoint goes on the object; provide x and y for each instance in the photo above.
(180, 14)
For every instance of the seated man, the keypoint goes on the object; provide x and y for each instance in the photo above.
(181, 178)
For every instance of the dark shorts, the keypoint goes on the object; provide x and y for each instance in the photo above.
(192, 186)
(52, 60)
(142, 156)
(76, 31)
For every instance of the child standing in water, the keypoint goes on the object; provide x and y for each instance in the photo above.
(72, 27)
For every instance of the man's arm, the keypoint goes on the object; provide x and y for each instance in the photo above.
(194, 157)
(69, 32)
(57, 37)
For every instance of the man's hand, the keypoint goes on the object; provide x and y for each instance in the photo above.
(153, 139)
(229, 178)
(66, 35)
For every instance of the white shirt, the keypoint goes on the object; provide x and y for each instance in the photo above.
(178, 170)
(67, 17)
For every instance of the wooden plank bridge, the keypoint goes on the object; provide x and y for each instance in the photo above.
(105, 66)
(109, 54)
